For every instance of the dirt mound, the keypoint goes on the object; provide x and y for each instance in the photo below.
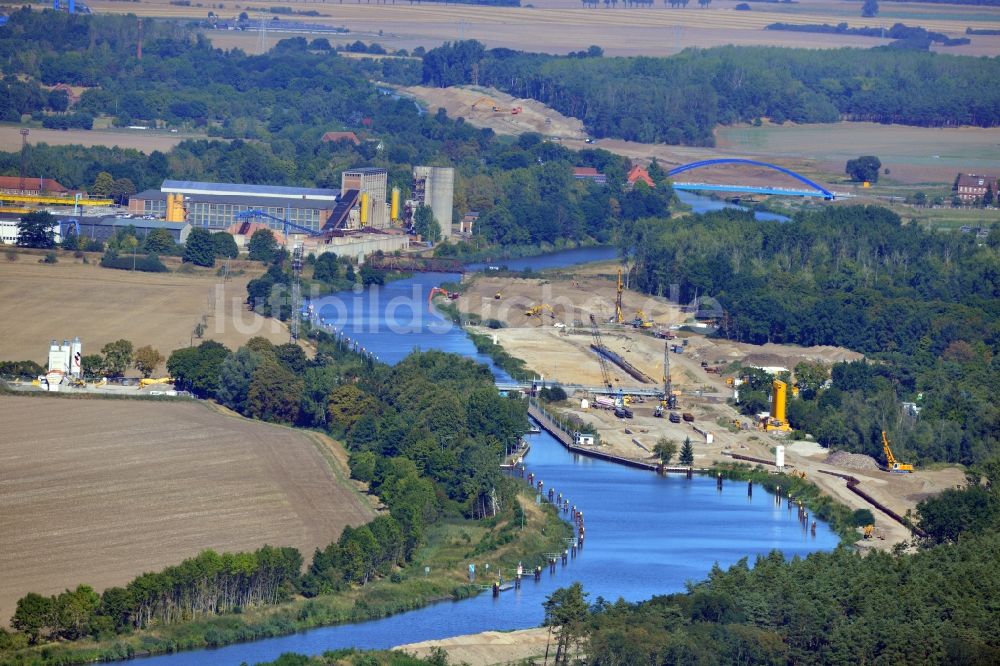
(857, 461)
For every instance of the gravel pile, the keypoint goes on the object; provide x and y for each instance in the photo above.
(857, 461)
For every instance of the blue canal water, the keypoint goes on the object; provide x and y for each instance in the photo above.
(703, 204)
(646, 534)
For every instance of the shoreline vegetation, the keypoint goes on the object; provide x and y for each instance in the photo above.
(448, 546)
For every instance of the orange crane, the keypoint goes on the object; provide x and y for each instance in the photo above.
(890, 460)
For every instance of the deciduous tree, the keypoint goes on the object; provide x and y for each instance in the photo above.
(147, 360)
(262, 245)
(37, 229)
(199, 249)
(117, 357)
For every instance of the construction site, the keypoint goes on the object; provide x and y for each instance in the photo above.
(639, 368)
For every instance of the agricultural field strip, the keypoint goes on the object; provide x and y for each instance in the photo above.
(547, 18)
(146, 484)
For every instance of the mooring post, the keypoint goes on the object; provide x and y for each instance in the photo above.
(750, 489)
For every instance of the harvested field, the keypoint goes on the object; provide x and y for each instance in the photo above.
(560, 26)
(145, 140)
(99, 491)
(41, 302)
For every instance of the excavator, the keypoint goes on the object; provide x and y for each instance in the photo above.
(538, 309)
(452, 295)
(640, 321)
(891, 463)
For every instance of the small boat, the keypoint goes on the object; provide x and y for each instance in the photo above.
(534, 430)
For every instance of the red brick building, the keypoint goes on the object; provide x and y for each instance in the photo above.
(32, 186)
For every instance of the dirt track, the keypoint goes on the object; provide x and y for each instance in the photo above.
(99, 491)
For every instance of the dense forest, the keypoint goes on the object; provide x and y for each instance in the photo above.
(681, 99)
(934, 606)
(924, 307)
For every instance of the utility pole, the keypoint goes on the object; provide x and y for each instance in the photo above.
(24, 157)
(138, 46)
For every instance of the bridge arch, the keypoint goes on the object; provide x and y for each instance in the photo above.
(827, 194)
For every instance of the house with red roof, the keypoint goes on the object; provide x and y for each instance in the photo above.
(589, 173)
(32, 186)
(637, 174)
(333, 137)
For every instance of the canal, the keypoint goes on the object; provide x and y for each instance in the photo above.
(646, 534)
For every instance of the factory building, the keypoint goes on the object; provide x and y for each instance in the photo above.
(362, 201)
(434, 187)
(214, 206)
(104, 227)
(9, 231)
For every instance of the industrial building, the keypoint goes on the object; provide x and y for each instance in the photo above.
(64, 363)
(434, 187)
(362, 200)
(104, 227)
(9, 231)
(214, 206)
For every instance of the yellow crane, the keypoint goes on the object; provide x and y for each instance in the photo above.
(890, 460)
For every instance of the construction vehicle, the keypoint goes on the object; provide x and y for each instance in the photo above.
(605, 371)
(658, 412)
(869, 531)
(640, 321)
(539, 309)
(496, 296)
(452, 295)
(669, 396)
(892, 464)
(143, 383)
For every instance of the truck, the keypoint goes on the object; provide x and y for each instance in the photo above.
(623, 412)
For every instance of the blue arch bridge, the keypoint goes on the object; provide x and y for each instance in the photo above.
(815, 189)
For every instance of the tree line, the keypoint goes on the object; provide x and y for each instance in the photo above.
(681, 99)
(204, 585)
(921, 305)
